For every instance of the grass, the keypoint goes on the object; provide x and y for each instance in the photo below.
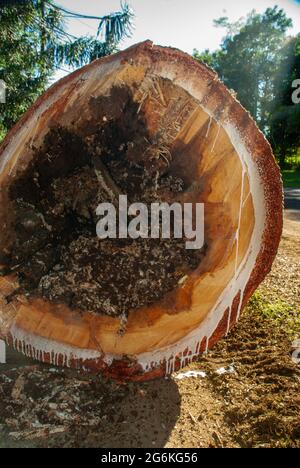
(276, 311)
(291, 178)
(291, 173)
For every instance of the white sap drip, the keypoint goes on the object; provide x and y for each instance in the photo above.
(239, 223)
(38, 348)
(246, 198)
(216, 139)
(237, 238)
(34, 133)
(208, 127)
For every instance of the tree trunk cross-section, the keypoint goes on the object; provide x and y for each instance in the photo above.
(142, 318)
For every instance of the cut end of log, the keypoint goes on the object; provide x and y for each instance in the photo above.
(155, 124)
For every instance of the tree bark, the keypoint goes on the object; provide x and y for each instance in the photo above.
(227, 164)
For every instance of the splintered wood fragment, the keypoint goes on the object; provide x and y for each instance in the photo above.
(158, 89)
(39, 433)
(18, 388)
(105, 180)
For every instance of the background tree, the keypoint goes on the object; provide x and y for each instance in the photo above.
(34, 43)
(285, 115)
(249, 59)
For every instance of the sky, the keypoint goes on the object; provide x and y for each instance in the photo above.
(184, 24)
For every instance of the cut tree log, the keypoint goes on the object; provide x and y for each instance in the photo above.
(198, 132)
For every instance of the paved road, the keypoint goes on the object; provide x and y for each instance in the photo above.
(292, 198)
(292, 203)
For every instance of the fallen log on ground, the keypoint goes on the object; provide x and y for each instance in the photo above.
(152, 123)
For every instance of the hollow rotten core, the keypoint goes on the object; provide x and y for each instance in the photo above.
(56, 253)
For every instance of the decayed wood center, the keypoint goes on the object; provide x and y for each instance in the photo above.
(179, 135)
